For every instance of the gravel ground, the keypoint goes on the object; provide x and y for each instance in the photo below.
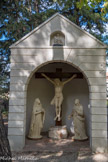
(59, 157)
(65, 150)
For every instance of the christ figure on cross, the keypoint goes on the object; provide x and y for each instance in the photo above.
(58, 98)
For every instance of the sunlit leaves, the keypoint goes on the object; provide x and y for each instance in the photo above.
(105, 8)
(92, 3)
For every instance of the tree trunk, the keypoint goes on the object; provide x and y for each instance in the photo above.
(5, 152)
(36, 5)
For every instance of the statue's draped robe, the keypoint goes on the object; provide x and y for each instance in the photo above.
(79, 123)
(37, 120)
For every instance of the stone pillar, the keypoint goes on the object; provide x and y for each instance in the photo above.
(99, 118)
(16, 121)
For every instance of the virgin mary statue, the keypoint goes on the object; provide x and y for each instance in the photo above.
(37, 120)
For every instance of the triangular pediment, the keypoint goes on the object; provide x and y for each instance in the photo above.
(74, 36)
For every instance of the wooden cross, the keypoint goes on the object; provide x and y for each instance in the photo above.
(59, 74)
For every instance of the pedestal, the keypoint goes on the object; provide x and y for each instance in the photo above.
(58, 132)
(34, 138)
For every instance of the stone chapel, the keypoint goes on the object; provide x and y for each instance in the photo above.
(58, 46)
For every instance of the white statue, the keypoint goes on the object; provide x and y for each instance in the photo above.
(37, 120)
(78, 121)
(58, 98)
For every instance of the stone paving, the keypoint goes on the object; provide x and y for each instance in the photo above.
(64, 150)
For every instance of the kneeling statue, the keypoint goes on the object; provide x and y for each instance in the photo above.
(78, 121)
(37, 120)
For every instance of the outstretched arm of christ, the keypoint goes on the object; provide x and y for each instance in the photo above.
(74, 76)
(48, 78)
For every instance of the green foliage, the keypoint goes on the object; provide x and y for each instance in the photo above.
(93, 3)
(17, 18)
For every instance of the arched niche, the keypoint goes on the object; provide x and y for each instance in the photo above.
(57, 39)
(40, 87)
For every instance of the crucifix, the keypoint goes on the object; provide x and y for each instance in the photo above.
(56, 80)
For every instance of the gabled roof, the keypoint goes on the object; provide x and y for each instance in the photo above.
(48, 20)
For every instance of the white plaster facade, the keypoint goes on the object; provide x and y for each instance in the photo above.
(82, 51)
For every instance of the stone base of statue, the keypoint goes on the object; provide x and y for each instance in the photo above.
(79, 139)
(58, 132)
(34, 138)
